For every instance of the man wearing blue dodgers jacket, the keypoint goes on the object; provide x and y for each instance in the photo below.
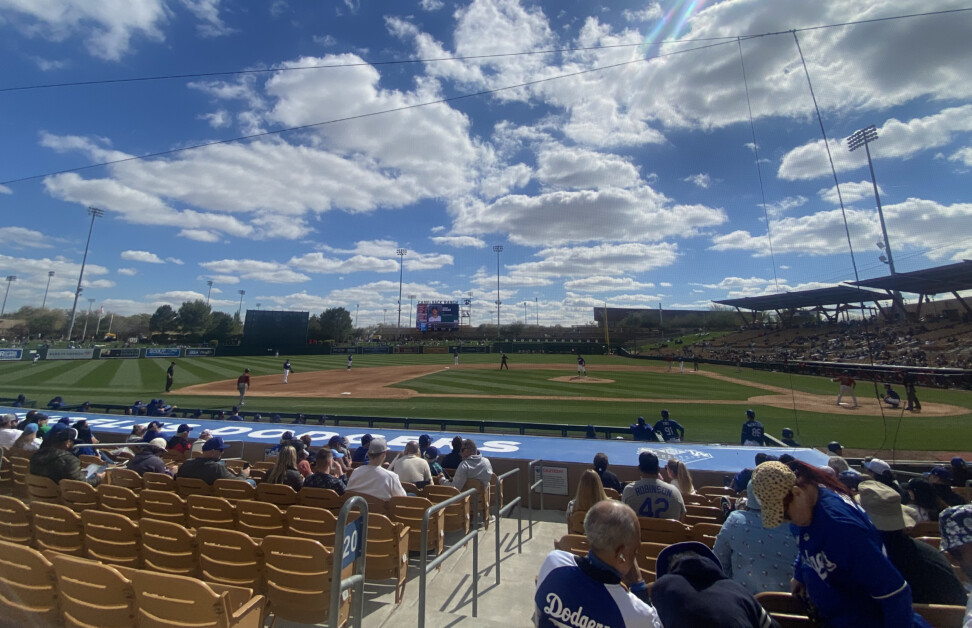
(603, 589)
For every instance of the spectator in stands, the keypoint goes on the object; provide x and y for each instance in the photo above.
(339, 444)
(453, 459)
(372, 479)
(641, 431)
(955, 524)
(235, 416)
(941, 480)
(677, 474)
(54, 459)
(21, 400)
(411, 467)
(851, 479)
(589, 492)
(56, 403)
(179, 444)
(923, 567)
(152, 431)
(138, 408)
(432, 457)
(960, 471)
(835, 449)
(670, 429)
(608, 479)
(692, 590)
(838, 464)
(787, 439)
(285, 439)
(285, 470)
(323, 476)
(361, 453)
(922, 497)
(423, 443)
(741, 480)
(890, 397)
(208, 468)
(473, 466)
(760, 559)
(881, 471)
(147, 459)
(8, 430)
(135, 436)
(841, 569)
(197, 444)
(649, 496)
(27, 441)
(303, 462)
(752, 431)
(604, 588)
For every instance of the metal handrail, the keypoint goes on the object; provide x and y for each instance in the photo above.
(535, 485)
(357, 579)
(425, 566)
(504, 510)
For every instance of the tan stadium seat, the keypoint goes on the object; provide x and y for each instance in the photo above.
(298, 573)
(410, 511)
(164, 600)
(665, 531)
(14, 521)
(940, 615)
(647, 557)
(168, 548)
(320, 498)
(278, 494)
(699, 500)
(126, 478)
(574, 543)
(717, 491)
(210, 512)
(92, 594)
(6, 475)
(19, 470)
(457, 516)
(387, 552)
(163, 505)
(691, 520)
(234, 490)
(709, 512)
(265, 465)
(42, 489)
(57, 528)
(78, 496)
(483, 515)
(375, 505)
(111, 538)
(612, 494)
(260, 519)
(575, 523)
(87, 459)
(192, 486)
(28, 587)
(787, 609)
(923, 528)
(119, 500)
(706, 533)
(158, 482)
(308, 522)
(411, 488)
(934, 541)
(230, 557)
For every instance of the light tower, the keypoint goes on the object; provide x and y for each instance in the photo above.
(50, 275)
(86, 318)
(239, 312)
(210, 293)
(94, 212)
(10, 280)
(401, 253)
(411, 297)
(498, 249)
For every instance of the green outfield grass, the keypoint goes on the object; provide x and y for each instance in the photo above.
(124, 381)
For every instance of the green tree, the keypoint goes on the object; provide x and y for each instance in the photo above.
(164, 320)
(335, 324)
(194, 317)
(222, 327)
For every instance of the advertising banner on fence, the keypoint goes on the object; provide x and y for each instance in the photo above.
(69, 354)
(11, 354)
(119, 353)
(198, 353)
(162, 353)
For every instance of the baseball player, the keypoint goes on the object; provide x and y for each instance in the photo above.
(581, 367)
(752, 431)
(243, 384)
(287, 370)
(847, 385)
(891, 397)
(455, 357)
(669, 428)
(503, 364)
(788, 438)
(169, 376)
(349, 361)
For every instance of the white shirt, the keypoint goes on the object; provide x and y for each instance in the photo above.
(412, 469)
(8, 436)
(376, 481)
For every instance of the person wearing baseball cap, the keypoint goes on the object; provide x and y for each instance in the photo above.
(787, 439)
(373, 479)
(670, 429)
(960, 471)
(197, 444)
(841, 569)
(752, 431)
(179, 444)
(881, 471)
(692, 590)
(148, 458)
(54, 459)
(835, 449)
(928, 573)
(8, 430)
(955, 524)
(360, 454)
(941, 480)
(207, 466)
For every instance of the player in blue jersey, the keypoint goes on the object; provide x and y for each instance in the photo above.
(752, 431)
(669, 428)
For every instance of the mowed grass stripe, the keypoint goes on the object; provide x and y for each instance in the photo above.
(128, 376)
(100, 375)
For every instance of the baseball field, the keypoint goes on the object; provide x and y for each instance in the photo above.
(710, 403)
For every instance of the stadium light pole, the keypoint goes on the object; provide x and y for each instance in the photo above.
(863, 138)
(537, 301)
(10, 280)
(94, 212)
(498, 249)
(401, 253)
(210, 293)
(410, 308)
(524, 312)
(50, 275)
(239, 312)
(86, 318)
(356, 306)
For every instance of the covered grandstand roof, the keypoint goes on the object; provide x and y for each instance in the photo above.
(836, 295)
(950, 278)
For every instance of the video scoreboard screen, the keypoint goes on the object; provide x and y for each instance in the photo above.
(434, 316)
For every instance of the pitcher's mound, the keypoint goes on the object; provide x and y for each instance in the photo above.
(576, 379)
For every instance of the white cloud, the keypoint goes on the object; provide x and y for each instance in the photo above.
(459, 241)
(651, 12)
(318, 263)
(177, 297)
(141, 256)
(128, 272)
(174, 260)
(5, 190)
(963, 155)
(851, 192)
(200, 235)
(605, 283)
(665, 284)
(218, 119)
(603, 259)
(782, 207)
(561, 167)
(256, 270)
(431, 5)
(231, 280)
(207, 12)
(700, 180)
(325, 40)
(427, 261)
(20, 237)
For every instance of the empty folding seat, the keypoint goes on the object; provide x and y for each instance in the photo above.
(168, 548)
(308, 522)
(119, 500)
(92, 594)
(298, 573)
(410, 511)
(234, 490)
(57, 528)
(28, 587)
(158, 482)
(211, 512)
(164, 600)
(78, 496)
(111, 538)
(162, 505)
(260, 519)
(14, 520)
(192, 486)
(230, 557)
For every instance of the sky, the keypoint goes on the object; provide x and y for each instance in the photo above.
(627, 154)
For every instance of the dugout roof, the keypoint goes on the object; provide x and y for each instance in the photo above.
(938, 280)
(836, 295)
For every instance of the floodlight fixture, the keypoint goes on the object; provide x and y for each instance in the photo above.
(94, 212)
(401, 253)
(498, 248)
(10, 280)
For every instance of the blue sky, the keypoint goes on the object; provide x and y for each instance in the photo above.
(631, 186)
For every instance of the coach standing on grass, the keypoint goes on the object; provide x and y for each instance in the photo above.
(243, 385)
(169, 376)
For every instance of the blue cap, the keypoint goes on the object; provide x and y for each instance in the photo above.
(30, 428)
(432, 452)
(216, 442)
(750, 414)
(664, 414)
